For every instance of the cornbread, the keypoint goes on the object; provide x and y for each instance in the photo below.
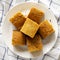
(29, 28)
(18, 20)
(34, 44)
(18, 38)
(36, 15)
(45, 29)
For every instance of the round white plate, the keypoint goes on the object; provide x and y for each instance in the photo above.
(48, 43)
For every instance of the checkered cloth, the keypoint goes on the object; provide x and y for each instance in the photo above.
(6, 53)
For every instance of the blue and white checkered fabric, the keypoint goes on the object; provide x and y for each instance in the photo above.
(6, 53)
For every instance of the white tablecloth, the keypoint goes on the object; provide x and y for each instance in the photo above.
(6, 53)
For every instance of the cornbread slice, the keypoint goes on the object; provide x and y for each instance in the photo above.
(34, 44)
(18, 20)
(18, 38)
(36, 15)
(45, 29)
(30, 28)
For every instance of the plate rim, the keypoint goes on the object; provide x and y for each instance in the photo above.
(26, 3)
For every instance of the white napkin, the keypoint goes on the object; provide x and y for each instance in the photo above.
(6, 53)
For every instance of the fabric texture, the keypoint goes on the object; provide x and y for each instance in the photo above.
(6, 53)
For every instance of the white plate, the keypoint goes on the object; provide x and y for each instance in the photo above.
(8, 27)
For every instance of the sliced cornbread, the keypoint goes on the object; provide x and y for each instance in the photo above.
(45, 29)
(34, 44)
(36, 15)
(29, 28)
(18, 38)
(18, 20)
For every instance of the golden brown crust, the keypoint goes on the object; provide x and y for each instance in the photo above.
(45, 29)
(30, 28)
(34, 44)
(36, 15)
(18, 38)
(18, 20)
